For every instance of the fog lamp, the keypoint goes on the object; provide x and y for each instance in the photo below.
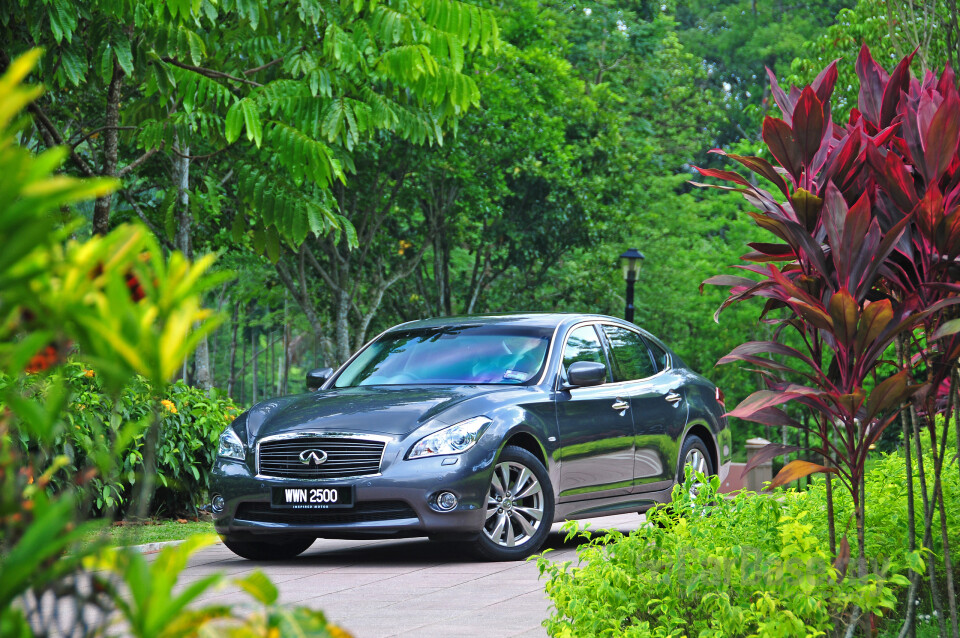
(217, 503)
(447, 501)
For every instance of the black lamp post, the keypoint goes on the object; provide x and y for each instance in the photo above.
(631, 261)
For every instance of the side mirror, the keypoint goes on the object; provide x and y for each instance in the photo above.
(586, 373)
(317, 377)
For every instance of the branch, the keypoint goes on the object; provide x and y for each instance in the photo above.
(269, 64)
(53, 138)
(316, 265)
(103, 128)
(143, 217)
(210, 73)
(137, 162)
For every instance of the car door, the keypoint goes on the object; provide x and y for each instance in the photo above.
(595, 427)
(656, 399)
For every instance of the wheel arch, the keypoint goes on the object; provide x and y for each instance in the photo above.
(526, 440)
(700, 429)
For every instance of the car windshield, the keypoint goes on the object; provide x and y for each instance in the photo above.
(454, 355)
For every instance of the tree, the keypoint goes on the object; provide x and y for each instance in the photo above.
(870, 238)
(301, 87)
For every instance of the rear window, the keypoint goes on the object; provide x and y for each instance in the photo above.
(659, 355)
(629, 353)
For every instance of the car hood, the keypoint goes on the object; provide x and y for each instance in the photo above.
(391, 410)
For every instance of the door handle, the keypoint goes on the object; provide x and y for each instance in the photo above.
(673, 398)
(620, 405)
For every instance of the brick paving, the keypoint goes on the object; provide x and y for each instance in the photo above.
(409, 588)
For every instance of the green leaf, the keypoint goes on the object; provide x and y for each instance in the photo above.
(73, 66)
(238, 228)
(258, 585)
(234, 122)
(948, 328)
(259, 239)
(106, 64)
(197, 49)
(273, 243)
(251, 118)
(121, 47)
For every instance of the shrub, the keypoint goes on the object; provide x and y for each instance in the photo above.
(886, 513)
(186, 447)
(747, 565)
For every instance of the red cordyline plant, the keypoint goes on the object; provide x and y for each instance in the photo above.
(867, 220)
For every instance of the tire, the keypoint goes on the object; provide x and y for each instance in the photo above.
(280, 548)
(694, 446)
(512, 531)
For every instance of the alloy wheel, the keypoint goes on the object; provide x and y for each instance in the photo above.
(515, 504)
(695, 460)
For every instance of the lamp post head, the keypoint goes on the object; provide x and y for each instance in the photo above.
(631, 262)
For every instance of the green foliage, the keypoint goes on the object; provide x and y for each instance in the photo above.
(103, 294)
(886, 509)
(301, 87)
(157, 605)
(190, 421)
(737, 39)
(711, 566)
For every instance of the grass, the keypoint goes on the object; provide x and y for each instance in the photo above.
(153, 531)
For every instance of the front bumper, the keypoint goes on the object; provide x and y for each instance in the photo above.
(398, 502)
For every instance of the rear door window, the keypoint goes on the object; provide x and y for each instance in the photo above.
(630, 354)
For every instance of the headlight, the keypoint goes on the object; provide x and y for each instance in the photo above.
(452, 440)
(230, 445)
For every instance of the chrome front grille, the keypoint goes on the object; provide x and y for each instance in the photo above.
(345, 457)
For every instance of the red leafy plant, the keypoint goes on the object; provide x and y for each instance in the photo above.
(866, 216)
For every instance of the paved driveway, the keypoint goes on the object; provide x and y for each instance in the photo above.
(411, 587)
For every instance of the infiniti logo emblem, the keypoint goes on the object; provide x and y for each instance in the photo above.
(313, 457)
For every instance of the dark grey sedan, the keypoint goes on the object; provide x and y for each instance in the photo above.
(482, 429)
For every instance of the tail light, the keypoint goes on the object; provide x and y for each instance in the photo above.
(720, 398)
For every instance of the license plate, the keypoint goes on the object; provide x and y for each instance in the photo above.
(312, 496)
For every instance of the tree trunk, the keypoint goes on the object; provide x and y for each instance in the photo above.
(302, 296)
(928, 510)
(343, 325)
(101, 208)
(243, 373)
(955, 31)
(201, 369)
(181, 172)
(256, 355)
(271, 373)
(286, 346)
(233, 350)
(439, 281)
(909, 629)
(831, 522)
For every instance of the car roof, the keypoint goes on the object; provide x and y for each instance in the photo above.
(532, 319)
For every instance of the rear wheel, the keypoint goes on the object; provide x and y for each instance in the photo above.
(519, 507)
(695, 456)
(696, 459)
(280, 548)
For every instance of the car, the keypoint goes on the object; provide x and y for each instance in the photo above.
(480, 429)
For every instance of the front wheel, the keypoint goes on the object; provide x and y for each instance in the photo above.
(519, 507)
(274, 549)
